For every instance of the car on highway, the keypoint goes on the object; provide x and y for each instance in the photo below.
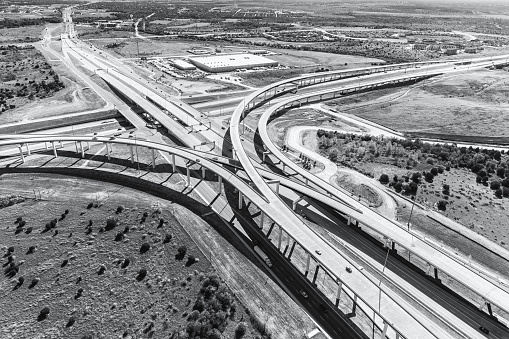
(112, 137)
(348, 269)
(318, 252)
(304, 294)
(323, 308)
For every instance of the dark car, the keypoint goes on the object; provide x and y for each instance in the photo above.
(323, 308)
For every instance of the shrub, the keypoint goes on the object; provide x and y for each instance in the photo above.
(120, 209)
(10, 249)
(29, 230)
(70, 322)
(111, 223)
(182, 250)
(22, 223)
(145, 214)
(126, 262)
(102, 268)
(144, 248)
(240, 330)
(442, 205)
(45, 311)
(90, 222)
(53, 223)
(142, 273)
(167, 238)
(384, 179)
(64, 263)
(495, 185)
(18, 219)
(90, 205)
(66, 211)
(119, 236)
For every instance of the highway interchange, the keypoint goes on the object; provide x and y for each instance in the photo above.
(237, 157)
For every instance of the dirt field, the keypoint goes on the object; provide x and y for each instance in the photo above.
(474, 104)
(21, 34)
(67, 258)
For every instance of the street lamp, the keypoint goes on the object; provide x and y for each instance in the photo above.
(412, 210)
(381, 278)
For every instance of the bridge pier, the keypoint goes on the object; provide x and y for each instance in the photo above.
(291, 250)
(262, 217)
(153, 153)
(338, 295)
(270, 229)
(296, 201)
(28, 148)
(287, 244)
(308, 259)
(264, 154)
(108, 150)
(21, 156)
(316, 274)
(274, 182)
(173, 167)
(384, 331)
(132, 153)
(188, 175)
(280, 238)
(54, 149)
(82, 149)
(354, 307)
(240, 200)
(220, 181)
(203, 172)
(76, 146)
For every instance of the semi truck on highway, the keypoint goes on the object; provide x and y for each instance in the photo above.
(264, 256)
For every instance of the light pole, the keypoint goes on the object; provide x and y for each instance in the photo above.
(412, 210)
(381, 278)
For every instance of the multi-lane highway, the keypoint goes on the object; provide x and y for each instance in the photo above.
(393, 314)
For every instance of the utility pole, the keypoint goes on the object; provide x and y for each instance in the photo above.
(138, 47)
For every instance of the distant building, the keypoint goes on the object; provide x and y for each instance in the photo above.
(182, 64)
(228, 63)
(451, 51)
(471, 50)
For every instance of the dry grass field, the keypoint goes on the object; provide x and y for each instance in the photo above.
(473, 104)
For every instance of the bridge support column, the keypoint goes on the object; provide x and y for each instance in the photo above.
(88, 145)
(270, 229)
(220, 181)
(436, 273)
(76, 145)
(384, 331)
(108, 150)
(316, 274)
(490, 311)
(287, 244)
(308, 259)
(349, 222)
(54, 149)
(338, 295)
(264, 154)
(82, 149)
(280, 238)
(21, 156)
(61, 144)
(153, 152)
(240, 200)
(46, 145)
(173, 167)
(203, 172)
(354, 307)
(291, 250)
(28, 149)
(132, 153)
(274, 182)
(188, 175)
(296, 201)
(262, 217)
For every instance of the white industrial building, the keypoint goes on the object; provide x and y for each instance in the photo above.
(231, 62)
(182, 64)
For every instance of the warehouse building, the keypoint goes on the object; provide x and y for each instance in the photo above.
(228, 63)
(182, 64)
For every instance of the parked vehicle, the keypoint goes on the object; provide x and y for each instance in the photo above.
(264, 256)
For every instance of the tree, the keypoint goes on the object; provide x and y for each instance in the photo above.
(442, 205)
(398, 186)
(240, 330)
(495, 185)
(499, 193)
(434, 171)
(416, 177)
(501, 172)
(429, 177)
(182, 250)
(384, 179)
